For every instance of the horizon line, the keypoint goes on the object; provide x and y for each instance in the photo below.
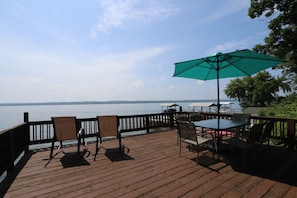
(106, 102)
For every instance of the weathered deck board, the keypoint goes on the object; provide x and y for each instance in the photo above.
(153, 169)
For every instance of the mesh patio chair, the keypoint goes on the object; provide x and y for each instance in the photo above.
(108, 127)
(253, 138)
(241, 117)
(180, 118)
(195, 117)
(245, 144)
(65, 129)
(267, 133)
(187, 134)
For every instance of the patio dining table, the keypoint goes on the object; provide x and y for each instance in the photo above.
(219, 125)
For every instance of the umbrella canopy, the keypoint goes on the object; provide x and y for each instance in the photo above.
(224, 65)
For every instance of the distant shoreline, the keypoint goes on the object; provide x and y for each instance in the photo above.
(109, 102)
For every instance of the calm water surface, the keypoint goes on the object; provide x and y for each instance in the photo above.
(12, 115)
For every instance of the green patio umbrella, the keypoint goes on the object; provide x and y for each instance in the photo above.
(225, 65)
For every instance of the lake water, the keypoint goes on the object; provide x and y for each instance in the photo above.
(12, 115)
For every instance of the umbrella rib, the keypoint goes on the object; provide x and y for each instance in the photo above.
(232, 63)
(189, 68)
(214, 65)
(221, 61)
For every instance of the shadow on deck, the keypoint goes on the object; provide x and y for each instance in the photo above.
(152, 168)
(274, 163)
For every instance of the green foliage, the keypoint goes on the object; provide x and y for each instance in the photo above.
(286, 109)
(282, 38)
(259, 91)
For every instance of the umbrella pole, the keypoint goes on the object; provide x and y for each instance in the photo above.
(218, 105)
(218, 89)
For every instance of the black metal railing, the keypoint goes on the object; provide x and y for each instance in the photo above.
(42, 131)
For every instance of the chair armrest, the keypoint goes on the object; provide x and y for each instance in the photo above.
(81, 133)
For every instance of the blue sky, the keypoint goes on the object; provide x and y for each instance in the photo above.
(77, 50)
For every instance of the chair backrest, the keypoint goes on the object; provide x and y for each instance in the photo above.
(108, 126)
(195, 117)
(255, 133)
(65, 128)
(242, 117)
(186, 130)
(182, 118)
(268, 130)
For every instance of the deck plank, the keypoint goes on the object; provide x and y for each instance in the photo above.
(153, 169)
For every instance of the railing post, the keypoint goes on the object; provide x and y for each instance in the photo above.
(27, 129)
(147, 121)
(291, 132)
(171, 120)
(26, 117)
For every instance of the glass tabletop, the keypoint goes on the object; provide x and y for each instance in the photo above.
(219, 124)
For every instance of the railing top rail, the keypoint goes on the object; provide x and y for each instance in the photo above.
(156, 114)
(12, 128)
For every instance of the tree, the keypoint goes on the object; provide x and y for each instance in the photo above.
(282, 38)
(286, 109)
(260, 90)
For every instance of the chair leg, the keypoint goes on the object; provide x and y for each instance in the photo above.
(78, 145)
(81, 140)
(121, 148)
(52, 150)
(51, 154)
(179, 147)
(60, 148)
(97, 149)
(197, 150)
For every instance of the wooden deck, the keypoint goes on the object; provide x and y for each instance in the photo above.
(152, 168)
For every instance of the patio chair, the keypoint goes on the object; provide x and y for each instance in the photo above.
(66, 128)
(195, 117)
(187, 134)
(245, 144)
(108, 127)
(267, 133)
(253, 137)
(180, 118)
(241, 117)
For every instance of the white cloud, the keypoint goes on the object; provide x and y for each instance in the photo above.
(119, 13)
(118, 63)
(233, 45)
(229, 46)
(71, 77)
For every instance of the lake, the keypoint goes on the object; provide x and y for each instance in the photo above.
(11, 115)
